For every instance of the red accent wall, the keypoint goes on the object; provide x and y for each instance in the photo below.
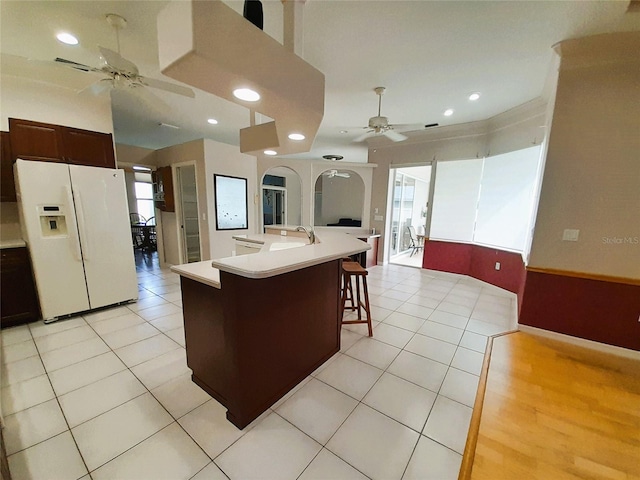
(597, 310)
(476, 261)
(447, 256)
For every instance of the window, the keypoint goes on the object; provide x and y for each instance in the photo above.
(144, 199)
(486, 201)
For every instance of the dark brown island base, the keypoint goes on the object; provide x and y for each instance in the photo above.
(254, 332)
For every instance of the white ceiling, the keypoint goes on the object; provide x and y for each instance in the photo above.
(429, 54)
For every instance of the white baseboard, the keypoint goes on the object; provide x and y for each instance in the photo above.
(582, 342)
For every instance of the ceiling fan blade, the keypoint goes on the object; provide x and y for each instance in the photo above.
(116, 61)
(142, 101)
(395, 136)
(169, 87)
(342, 175)
(98, 88)
(364, 136)
(76, 65)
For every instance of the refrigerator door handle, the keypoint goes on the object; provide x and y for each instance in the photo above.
(74, 240)
(82, 225)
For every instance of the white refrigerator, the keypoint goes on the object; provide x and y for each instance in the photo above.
(75, 221)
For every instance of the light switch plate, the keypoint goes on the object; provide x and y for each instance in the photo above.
(570, 235)
(378, 218)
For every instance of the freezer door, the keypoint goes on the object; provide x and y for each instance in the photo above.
(105, 234)
(49, 226)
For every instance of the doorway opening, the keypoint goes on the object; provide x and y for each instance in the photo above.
(274, 205)
(281, 202)
(408, 214)
(188, 213)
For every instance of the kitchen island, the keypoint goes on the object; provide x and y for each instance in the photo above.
(257, 325)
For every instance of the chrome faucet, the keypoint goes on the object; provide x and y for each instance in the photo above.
(310, 233)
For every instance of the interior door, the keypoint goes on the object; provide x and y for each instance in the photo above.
(189, 224)
(105, 234)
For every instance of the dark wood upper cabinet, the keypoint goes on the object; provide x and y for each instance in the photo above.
(36, 141)
(162, 180)
(7, 184)
(56, 143)
(83, 147)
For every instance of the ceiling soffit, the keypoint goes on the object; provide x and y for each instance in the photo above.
(211, 47)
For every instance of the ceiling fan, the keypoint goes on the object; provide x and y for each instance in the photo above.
(119, 72)
(380, 125)
(336, 173)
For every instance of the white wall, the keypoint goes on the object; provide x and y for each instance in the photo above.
(226, 159)
(591, 179)
(363, 171)
(309, 171)
(43, 102)
(340, 198)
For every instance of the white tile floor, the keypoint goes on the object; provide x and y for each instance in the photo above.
(109, 396)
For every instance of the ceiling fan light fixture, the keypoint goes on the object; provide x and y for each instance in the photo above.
(270, 152)
(448, 112)
(67, 38)
(296, 136)
(246, 94)
(474, 96)
(212, 121)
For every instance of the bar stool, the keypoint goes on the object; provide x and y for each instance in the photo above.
(354, 269)
(346, 290)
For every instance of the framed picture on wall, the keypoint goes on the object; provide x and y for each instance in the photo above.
(230, 194)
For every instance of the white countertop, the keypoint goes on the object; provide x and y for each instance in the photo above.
(201, 272)
(11, 236)
(278, 255)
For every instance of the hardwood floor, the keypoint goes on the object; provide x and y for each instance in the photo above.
(553, 410)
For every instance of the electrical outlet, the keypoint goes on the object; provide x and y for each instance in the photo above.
(283, 233)
(570, 235)
(497, 265)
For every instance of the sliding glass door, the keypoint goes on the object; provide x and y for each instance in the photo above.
(409, 207)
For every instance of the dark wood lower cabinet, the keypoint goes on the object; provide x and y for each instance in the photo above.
(19, 301)
(253, 340)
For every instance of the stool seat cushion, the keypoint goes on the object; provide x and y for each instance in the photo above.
(353, 268)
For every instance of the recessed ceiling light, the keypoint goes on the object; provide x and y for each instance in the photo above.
(474, 96)
(296, 136)
(141, 169)
(67, 38)
(213, 121)
(246, 94)
(270, 152)
(448, 112)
